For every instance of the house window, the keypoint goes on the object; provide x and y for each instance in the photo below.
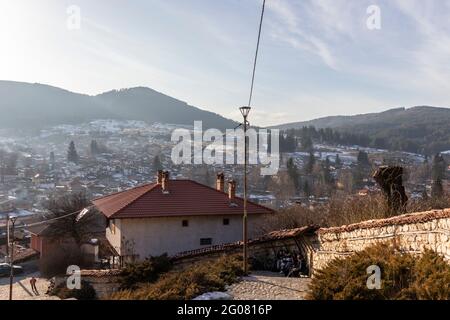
(185, 223)
(226, 222)
(206, 241)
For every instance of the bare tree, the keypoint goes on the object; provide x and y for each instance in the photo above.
(73, 223)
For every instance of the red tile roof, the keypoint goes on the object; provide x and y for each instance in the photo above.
(185, 198)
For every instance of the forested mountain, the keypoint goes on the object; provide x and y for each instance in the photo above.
(23, 105)
(418, 129)
(36, 105)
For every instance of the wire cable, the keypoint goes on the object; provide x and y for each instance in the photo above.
(256, 54)
(24, 226)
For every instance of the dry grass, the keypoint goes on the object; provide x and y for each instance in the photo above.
(186, 284)
(344, 211)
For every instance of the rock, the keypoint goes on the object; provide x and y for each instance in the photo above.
(214, 296)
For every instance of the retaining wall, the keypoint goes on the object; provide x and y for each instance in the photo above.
(411, 233)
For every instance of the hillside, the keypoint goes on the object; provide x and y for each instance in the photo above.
(36, 105)
(418, 129)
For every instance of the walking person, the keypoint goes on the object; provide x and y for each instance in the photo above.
(33, 286)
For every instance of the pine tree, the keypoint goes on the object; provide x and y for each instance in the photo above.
(157, 165)
(424, 194)
(326, 172)
(310, 164)
(72, 155)
(207, 177)
(94, 148)
(363, 158)
(52, 160)
(2, 165)
(293, 174)
(306, 189)
(307, 143)
(437, 190)
(438, 168)
(338, 162)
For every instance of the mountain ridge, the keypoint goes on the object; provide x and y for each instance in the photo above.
(39, 105)
(333, 121)
(423, 129)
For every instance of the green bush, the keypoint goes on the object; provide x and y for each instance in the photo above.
(403, 276)
(144, 272)
(186, 284)
(86, 292)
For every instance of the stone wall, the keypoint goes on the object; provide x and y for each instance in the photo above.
(262, 250)
(411, 233)
(104, 282)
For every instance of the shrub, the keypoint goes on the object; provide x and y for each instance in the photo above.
(349, 210)
(86, 292)
(432, 279)
(428, 204)
(144, 272)
(186, 284)
(343, 211)
(403, 276)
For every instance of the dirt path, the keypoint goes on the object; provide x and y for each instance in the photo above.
(22, 288)
(269, 286)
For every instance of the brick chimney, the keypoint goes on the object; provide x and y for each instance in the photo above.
(231, 189)
(165, 181)
(159, 177)
(220, 182)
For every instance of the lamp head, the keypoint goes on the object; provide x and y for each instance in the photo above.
(245, 111)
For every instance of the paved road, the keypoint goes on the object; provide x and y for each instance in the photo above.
(258, 286)
(269, 286)
(22, 288)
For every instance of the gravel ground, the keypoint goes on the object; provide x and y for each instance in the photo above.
(269, 286)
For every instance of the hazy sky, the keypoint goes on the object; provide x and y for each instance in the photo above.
(318, 57)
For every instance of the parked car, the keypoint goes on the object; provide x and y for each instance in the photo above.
(5, 270)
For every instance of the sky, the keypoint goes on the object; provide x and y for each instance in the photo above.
(317, 57)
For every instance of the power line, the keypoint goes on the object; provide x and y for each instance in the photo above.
(50, 220)
(47, 221)
(256, 53)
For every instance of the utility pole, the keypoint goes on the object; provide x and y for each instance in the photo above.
(11, 258)
(7, 235)
(245, 111)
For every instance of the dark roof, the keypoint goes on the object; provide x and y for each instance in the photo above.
(100, 273)
(285, 234)
(185, 198)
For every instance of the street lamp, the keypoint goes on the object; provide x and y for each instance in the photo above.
(245, 111)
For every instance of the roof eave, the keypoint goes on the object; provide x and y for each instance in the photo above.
(118, 215)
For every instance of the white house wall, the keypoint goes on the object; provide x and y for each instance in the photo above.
(156, 236)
